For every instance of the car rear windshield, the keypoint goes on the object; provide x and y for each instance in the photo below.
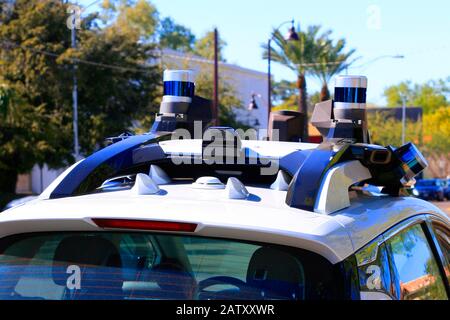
(79, 266)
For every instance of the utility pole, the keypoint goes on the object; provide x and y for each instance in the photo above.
(403, 119)
(75, 96)
(216, 77)
(269, 80)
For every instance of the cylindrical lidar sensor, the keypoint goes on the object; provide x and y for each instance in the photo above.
(179, 89)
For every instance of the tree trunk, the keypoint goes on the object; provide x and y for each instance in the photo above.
(8, 181)
(324, 93)
(303, 104)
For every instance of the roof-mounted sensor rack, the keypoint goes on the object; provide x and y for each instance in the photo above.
(316, 179)
(346, 156)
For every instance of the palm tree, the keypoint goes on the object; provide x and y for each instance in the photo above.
(330, 61)
(297, 56)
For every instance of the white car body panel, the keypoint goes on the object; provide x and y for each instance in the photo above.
(368, 217)
(236, 219)
(264, 217)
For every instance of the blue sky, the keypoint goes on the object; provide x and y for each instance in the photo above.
(419, 30)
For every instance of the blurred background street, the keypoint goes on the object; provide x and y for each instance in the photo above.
(445, 206)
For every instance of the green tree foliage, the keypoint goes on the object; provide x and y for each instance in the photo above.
(204, 84)
(131, 17)
(388, 131)
(5, 98)
(437, 130)
(31, 114)
(228, 102)
(114, 84)
(283, 90)
(175, 36)
(314, 53)
(433, 135)
(204, 46)
(27, 136)
(297, 56)
(436, 142)
(330, 61)
(111, 99)
(291, 102)
(430, 96)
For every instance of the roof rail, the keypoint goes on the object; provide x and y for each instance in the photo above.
(103, 164)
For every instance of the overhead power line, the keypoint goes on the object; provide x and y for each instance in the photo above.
(91, 4)
(8, 45)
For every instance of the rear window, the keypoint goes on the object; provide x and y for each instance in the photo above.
(77, 266)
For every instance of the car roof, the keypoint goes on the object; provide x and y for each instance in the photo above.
(263, 217)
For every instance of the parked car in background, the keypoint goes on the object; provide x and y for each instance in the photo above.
(431, 189)
(447, 188)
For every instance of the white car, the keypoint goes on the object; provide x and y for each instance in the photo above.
(152, 218)
(159, 237)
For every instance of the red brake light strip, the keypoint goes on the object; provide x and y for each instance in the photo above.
(145, 225)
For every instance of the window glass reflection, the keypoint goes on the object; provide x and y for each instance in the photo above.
(444, 242)
(417, 272)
